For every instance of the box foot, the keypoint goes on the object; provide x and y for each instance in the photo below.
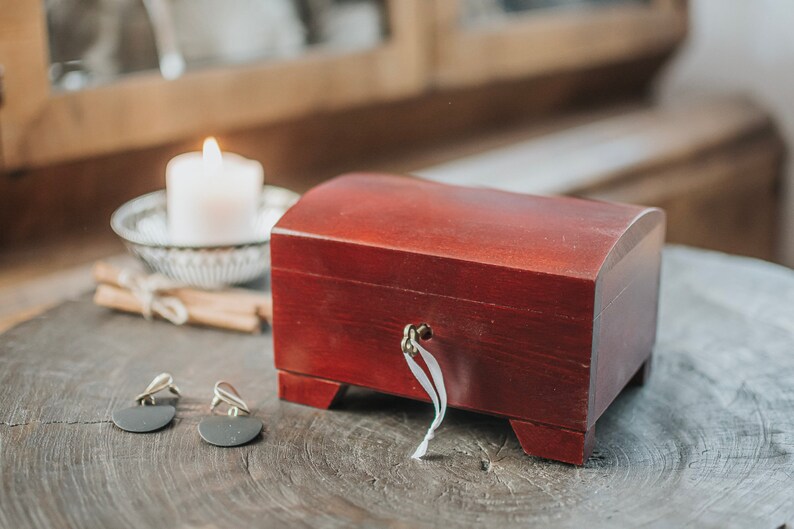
(549, 442)
(642, 375)
(309, 391)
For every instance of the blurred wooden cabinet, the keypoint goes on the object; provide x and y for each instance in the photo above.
(428, 45)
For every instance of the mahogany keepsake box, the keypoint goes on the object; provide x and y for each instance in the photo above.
(542, 309)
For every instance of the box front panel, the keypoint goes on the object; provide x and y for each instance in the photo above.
(515, 363)
(561, 295)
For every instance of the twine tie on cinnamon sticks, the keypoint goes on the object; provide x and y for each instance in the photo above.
(234, 309)
(148, 290)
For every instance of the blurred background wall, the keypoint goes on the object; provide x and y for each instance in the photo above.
(748, 47)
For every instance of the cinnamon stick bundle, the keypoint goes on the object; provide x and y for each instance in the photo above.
(232, 309)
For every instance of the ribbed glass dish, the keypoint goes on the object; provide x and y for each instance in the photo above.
(142, 224)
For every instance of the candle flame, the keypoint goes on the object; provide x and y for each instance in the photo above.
(213, 159)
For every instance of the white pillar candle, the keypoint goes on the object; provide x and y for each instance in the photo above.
(213, 197)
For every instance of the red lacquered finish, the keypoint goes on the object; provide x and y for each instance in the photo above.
(542, 309)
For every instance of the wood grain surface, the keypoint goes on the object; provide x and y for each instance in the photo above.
(707, 442)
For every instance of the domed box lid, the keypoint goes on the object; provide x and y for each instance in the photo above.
(526, 252)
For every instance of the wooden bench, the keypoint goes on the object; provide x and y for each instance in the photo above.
(713, 165)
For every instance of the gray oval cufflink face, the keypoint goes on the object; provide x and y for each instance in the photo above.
(226, 430)
(142, 419)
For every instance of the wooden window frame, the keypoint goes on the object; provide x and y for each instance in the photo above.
(549, 41)
(40, 126)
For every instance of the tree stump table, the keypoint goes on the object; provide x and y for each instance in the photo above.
(708, 442)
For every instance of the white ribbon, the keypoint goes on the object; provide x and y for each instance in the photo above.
(148, 291)
(437, 394)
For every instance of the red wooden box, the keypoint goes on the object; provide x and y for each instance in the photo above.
(542, 309)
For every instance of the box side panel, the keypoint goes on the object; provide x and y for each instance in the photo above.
(497, 360)
(625, 330)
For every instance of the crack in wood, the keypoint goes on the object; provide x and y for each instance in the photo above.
(45, 423)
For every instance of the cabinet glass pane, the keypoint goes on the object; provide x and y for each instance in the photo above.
(93, 42)
(475, 12)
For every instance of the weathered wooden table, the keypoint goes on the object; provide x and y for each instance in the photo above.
(707, 443)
